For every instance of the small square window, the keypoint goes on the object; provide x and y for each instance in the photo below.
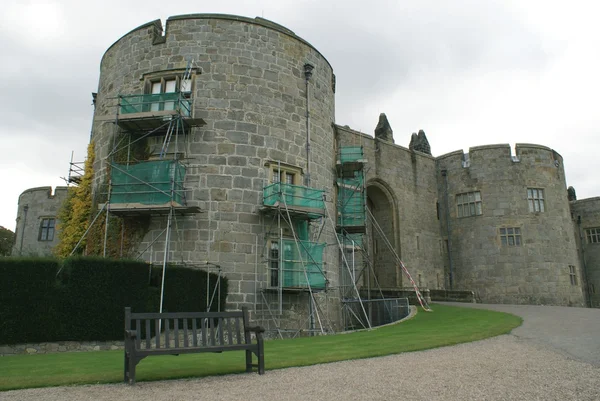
(47, 229)
(510, 236)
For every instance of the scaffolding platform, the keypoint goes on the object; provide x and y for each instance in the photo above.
(136, 209)
(350, 159)
(153, 112)
(301, 202)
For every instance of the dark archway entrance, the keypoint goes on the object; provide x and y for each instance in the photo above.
(381, 206)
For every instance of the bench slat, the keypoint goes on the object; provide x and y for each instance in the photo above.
(157, 332)
(237, 330)
(176, 334)
(221, 325)
(138, 332)
(181, 315)
(148, 334)
(229, 332)
(203, 323)
(217, 348)
(167, 332)
(185, 333)
(194, 333)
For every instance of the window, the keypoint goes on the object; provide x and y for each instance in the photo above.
(592, 288)
(164, 85)
(469, 204)
(510, 236)
(418, 244)
(573, 275)
(535, 197)
(285, 174)
(593, 235)
(47, 229)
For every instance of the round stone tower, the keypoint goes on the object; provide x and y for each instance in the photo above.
(251, 100)
(511, 238)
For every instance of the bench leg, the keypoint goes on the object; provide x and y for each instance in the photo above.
(126, 368)
(132, 363)
(248, 361)
(261, 363)
(261, 357)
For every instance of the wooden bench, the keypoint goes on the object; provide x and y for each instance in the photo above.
(149, 334)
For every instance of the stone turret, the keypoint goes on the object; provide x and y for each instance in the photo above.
(420, 143)
(383, 130)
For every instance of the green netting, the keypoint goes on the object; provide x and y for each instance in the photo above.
(351, 154)
(294, 196)
(148, 183)
(299, 257)
(351, 201)
(301, 228)
(155, 102)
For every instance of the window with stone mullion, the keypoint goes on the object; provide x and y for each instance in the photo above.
(593, 235)
(510, 236)
(535, 198)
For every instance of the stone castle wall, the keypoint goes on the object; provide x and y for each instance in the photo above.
(34, 205)
(249, 87)
(586, 215)
(537, 272)
(408, 181)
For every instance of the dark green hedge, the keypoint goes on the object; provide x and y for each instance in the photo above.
(87, 299)
(28, 307)
(185, 290)
(97, 290)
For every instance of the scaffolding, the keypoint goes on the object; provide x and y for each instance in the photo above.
(293, 217)
(76, 171)
(152, 182)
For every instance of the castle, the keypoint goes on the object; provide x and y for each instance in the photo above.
(219, 130)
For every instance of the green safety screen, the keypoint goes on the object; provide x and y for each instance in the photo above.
(351, 154)
(294, 196)
(155, 102)
(351, 202)
(299, 257)
(148, 183)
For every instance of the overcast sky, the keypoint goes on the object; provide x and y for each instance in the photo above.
(468, 72)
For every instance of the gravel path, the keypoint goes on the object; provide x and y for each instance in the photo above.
(502, 368)
(572, 331)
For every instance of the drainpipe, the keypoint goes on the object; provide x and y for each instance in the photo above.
(586, 287)
(308, 68)
(25, 209)
(450, 262)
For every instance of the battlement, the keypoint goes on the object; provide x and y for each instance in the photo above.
(157, 34)
(59, 191)
(482, 155)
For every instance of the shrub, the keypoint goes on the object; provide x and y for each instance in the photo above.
(28, 303)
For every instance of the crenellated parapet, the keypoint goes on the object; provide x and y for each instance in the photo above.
(36, 228)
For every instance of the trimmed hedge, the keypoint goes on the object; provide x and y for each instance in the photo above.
(185, 290)
(28, 307)
(97, 290)
(87, 300)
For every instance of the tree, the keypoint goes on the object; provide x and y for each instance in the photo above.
(7, 239)
(74, 216)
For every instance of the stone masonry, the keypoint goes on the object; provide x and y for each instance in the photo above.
(35, 205)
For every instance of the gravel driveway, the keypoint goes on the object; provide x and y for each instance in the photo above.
(509, 367)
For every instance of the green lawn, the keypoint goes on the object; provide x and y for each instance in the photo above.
(445, 326)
